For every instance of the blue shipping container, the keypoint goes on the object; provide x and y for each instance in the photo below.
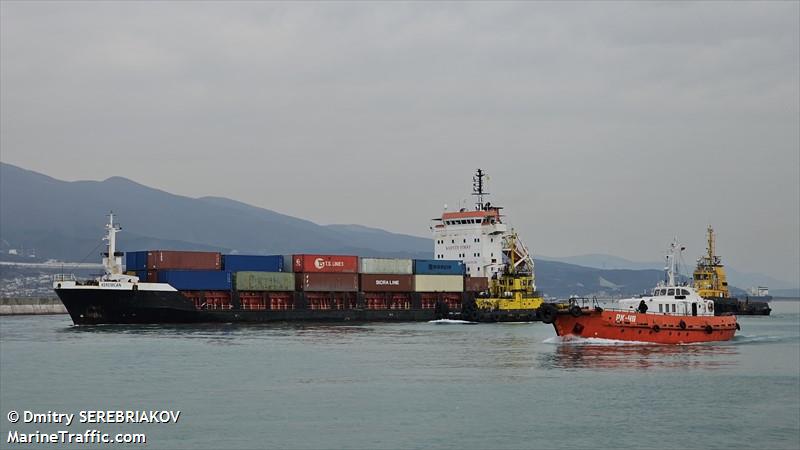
(196, 280)
(438, 267)
(252, 263)
(142, 274)
(136, 260)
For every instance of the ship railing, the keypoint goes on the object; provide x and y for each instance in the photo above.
(60, 277)
(584, 302)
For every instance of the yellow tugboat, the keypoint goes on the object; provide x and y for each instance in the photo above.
(495, 258)
(711, 282)
(512, 294)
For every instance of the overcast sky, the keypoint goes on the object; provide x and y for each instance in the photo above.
(605, 127)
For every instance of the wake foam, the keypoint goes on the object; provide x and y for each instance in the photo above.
(451, 321)
(577, 340)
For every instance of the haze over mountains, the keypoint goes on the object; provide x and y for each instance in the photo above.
(64, 220)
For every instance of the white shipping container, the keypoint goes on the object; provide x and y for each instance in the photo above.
(438, 283)
(386, 266)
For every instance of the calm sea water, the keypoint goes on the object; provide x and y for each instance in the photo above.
(419, 385)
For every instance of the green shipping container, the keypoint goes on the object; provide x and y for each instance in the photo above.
(264, 281)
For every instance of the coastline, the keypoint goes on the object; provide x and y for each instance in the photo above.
(31, 306)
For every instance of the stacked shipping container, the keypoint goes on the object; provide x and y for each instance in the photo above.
(327, 281)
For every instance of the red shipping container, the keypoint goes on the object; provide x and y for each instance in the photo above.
(181, 260)
(325, 263)
(327, 282)
(476, 284)
(386, 283)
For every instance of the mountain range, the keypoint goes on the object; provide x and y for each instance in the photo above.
(64, 220)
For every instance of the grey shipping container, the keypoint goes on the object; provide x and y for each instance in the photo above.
(288, 263)
(386, 266)
(264, 281)
(438, 283)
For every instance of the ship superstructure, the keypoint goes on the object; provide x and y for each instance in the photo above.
(480, 238)
(709, 275)
(490, 250)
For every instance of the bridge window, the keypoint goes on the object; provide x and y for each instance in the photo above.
(684, 292)
(671, 292)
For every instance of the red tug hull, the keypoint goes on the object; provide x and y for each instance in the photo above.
(634, 326)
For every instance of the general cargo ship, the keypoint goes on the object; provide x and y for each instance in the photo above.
(481, 272)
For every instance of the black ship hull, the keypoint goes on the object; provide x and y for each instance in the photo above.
(98, 306)
(747, 307)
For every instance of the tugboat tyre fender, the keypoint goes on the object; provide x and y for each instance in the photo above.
(656, 328)
(548, 313)
(709, 329)
(575, 311)
(682, 324)
(737, 326)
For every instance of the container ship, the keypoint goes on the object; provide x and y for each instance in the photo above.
(482, 272)
(711, 282)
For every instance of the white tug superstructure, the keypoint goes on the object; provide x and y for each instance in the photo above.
(480, 238)
(670, 297)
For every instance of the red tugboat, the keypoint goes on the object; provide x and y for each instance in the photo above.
(673, 314)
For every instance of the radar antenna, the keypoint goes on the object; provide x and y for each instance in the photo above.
(477, 189)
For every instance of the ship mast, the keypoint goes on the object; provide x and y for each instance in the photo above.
(674, 248)
(110, 261)
(477, 189)
(713, 259)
